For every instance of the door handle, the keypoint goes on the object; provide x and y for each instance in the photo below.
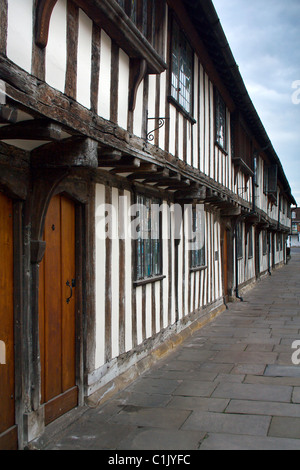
(73, 284)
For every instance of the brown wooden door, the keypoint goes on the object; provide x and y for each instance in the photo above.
(57, 311)
(8, 430)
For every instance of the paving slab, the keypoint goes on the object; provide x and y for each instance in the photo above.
(275, 370)
(153, 417)
(253, 392)
(145, 438)
(228, 423)
(263, 408)
(246, 357)
(285, 427)
(237, 442)
(195, 388)
(199, 403)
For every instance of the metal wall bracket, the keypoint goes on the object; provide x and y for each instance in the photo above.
(161, 122)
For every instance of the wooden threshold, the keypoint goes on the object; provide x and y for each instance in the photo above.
(61, 405)
(9, 439)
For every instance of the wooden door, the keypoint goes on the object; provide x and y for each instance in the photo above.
(57, 289)
(8, 430)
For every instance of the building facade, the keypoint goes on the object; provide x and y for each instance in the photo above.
(294, 238)
(139, 194)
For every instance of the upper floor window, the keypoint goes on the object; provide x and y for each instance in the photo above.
(220, 121)
(143, 13)
(181, 69)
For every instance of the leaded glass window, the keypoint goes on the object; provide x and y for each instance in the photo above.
(143, 14)
(220, 110)
(265, 242)
(182, 69)
(148, 244)
(198, 253)
(239, 240)
(250, 243)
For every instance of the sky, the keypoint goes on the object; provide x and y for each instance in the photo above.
(264, 37)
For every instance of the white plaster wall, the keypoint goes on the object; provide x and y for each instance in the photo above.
(19, 33)
(138, 112)
(115, 270)
(123, 89)
(84, 60)
(128, 268)
(56, 51)
(162, 108)
(100, 257)
(105, 77)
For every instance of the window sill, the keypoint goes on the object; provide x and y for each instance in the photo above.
(221, 148)
(175, 103)
(197, 268)
(148, 280)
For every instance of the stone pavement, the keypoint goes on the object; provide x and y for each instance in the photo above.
(231, 386)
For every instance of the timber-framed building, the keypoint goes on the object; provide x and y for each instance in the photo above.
(104, 106)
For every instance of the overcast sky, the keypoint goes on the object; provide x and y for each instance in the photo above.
(264, 36)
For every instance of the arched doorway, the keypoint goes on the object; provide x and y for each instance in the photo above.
(57, 307)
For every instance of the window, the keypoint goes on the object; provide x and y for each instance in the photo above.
(279, 242)
(181, 69)
(220, 116)
(198, 253)
(148, 243)
(266, 177)
(143, 13)
(265, 242)
(250, 243)
(239, 240)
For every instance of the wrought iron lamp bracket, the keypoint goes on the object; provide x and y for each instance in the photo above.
(161, 123)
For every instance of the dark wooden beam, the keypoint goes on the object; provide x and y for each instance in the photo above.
(109, 155)
(169, 181)
(146, 168)
(179, 185)
(138, 69)
(74, 152)
(149, 176)
(198, 194)
(8, 114)
(43, 16)
(124, 162)
(40, 129)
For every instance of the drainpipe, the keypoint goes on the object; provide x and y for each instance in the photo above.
(236, 267)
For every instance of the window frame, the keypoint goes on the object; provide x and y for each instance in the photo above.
(200, 252)
(174, 98)
(239, 240)
(265, 243)
(141, 248)
(250, 243)
(220, 101)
